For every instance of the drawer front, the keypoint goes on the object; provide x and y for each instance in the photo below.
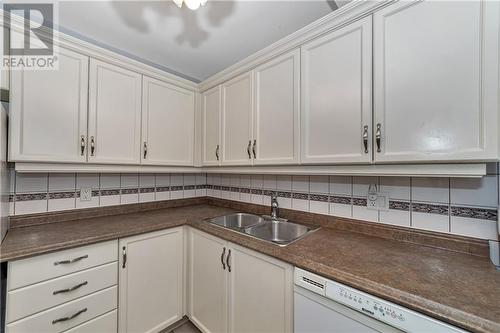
(82, 310)
(33, 270)
(107, 323)
(25, 301)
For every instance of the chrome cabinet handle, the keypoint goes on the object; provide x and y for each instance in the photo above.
(227, 260)
(365, 138)
(248, 149)
(82, 145)
(70, 317)
(70, 289)
(124, 256)
(378, 136)
(145, 149)
(222, 258)
(253, 148)
(92, 146)
(70, 261)
(217, 152)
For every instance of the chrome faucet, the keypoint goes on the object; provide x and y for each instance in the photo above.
(274, 206)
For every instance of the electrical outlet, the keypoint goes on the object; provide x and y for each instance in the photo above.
(377, 201)
(85, 194)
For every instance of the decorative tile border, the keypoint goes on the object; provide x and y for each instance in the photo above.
(300, 196)
(429, 208)
(62, 195)
(130, 191)
(359, 202)
(189, 187)
(319, 197)
(341, 199)
(105, 193)
(399, 205)
(475, 213)
(163, 189)
(147, 190)
(30, 196)
(176, 188)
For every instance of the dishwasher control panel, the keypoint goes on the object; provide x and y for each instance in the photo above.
(389, 313)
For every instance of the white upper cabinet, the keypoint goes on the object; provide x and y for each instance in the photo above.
(336, 96)
(114, 114)
(211, 150)
(48, 111)
(276, 116)
(151, 281)
(167, 124)
(436, 81)
(237, 120)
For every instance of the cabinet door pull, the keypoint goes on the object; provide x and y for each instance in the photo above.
(145, 149)
(92, 146)
(70, 261)
(222, 258)
(365, 138)
(217, 152)
(67, 290)
(70, 317)
(248, 149)
(124, 256)
(254, 148)
(378, 137)
(227, 260)
(82, 145)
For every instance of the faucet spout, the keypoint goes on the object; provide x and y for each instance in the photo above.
(274, 206)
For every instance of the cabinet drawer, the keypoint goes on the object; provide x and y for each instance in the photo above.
(25, 301)
(32, 270)
(82, 310)
(107, 323)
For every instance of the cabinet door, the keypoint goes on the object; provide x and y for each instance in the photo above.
(207, 282)
(114, 114)
(237, 120)
(276, 117)
(436, 80)
(336, 96)
(167, 124)
(260, 293)
(48, 111)
(151, 281)
(211, 126)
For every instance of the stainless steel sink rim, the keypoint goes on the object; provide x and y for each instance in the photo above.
(252, 230)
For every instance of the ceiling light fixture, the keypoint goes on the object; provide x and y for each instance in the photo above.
(191, 4)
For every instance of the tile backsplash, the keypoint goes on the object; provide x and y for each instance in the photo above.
(460, 206)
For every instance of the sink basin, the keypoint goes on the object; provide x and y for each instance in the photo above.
(278, 232)
(237, 221)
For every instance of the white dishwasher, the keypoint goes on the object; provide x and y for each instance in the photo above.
(322, 305)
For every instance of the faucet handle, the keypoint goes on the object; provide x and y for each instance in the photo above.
(274, 196)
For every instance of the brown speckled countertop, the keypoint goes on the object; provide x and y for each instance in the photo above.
(455, 287)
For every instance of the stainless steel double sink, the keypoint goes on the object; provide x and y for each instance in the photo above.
(277, 231)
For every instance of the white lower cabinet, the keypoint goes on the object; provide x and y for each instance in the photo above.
(151, 281)
(234, 289)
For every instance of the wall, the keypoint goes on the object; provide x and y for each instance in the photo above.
(4, 173)
(449, 205)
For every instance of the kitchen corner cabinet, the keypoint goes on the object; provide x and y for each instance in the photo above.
(167, 124)
(336, 96)
(211, 150)
(151, 275)
(114, 127)
(237, 108)
(48, 112)
(234, 289)
(276, 120)
(436, 81)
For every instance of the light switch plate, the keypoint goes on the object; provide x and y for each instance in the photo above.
(378, 201)
(85, 194)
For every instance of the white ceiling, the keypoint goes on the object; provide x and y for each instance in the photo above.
(195, 44)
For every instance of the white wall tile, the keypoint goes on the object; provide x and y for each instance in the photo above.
(246, 197)
(30, 207)
(484, 229)
(299, 204)
(146, 197)
(176, 195)
(61, 182)
(360, 185)
(318, 207)
(257, 199)
(435, 190)
(285, 202)
(164, 195)
(341, 185)
(201, 192)
(284, 183)
(94, 202)
(340, 210)
(129, 198)
(246, 181)
(481, 192)
(12, 183)
(147, 180)
(129, 180)
(270, 182)
(176, 180)
(363, 213)
(189, 193)
(189, 179)
(397, 187)
(225, 180)
(319, 184)
(109, 200)
(201, 179)
(235, 181)
(162, 179)
(395, 217)
(109, 181)
(31, 182)
(300, 184)
(432, 222)
(61, 204)
(87, 180)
